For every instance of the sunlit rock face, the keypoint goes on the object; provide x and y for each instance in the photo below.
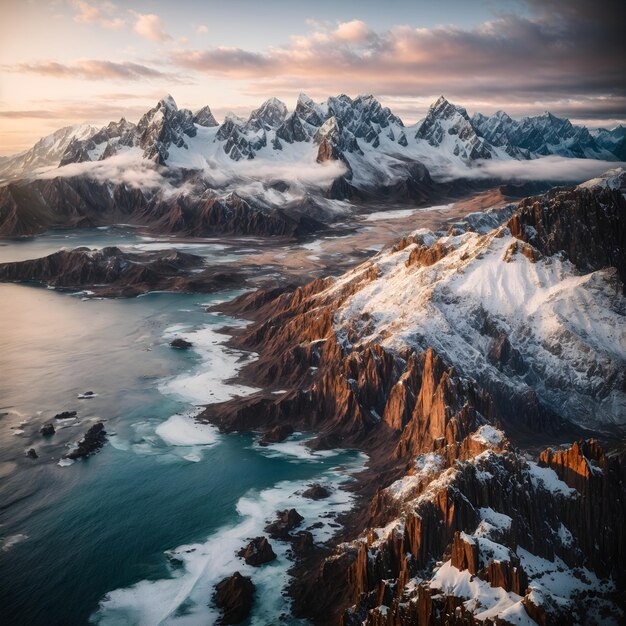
(435, 356)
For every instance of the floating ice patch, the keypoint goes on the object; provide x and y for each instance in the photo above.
(193, 457)
(65, 462)
(295, 447)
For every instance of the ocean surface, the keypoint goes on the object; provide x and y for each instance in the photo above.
(140, 532)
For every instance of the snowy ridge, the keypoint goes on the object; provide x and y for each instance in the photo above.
(375, 146)
(47, 152)
(541, 135)
(566, 328)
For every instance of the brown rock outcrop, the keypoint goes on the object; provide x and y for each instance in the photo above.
(112, 272)
(285, 521)
(316, 492)
(257, 552)
(427, 255)
(235, 596)
(91, 442)
(587, 225)
(464, 553)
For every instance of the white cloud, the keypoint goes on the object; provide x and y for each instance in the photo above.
(151, 27)
(127, 168)
(202, 29)
(550, 168)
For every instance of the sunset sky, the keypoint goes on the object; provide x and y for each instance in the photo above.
(69, 61)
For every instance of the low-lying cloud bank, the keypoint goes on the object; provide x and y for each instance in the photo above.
(131, 169)
(550, 168)
(128, 168)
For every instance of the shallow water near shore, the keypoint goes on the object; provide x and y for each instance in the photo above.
(86, 542)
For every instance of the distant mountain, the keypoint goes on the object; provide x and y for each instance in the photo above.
(47, 152)
(344, 148)
(450, 126)
(541, 135)
(612, 140)
(342, 128)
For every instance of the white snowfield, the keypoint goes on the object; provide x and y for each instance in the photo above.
(568, 328)
(376, 148)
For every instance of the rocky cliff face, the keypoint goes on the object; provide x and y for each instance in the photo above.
(113, 273)
(457, 524)
(587, 225)
(36, 206)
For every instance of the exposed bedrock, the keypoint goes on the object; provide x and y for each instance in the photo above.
(234, 596)
(257, 552)
(29, 207)
(589, 226)
(447, 495)
(113, 272)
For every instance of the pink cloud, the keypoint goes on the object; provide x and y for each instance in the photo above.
(92, 69)
(563, 50)
(89, 14)
(150, 26)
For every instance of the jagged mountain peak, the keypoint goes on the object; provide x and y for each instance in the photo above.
(204, 117)
(502, 115)
(361, 124)
(449, 125)
(304, 100)
(309, 111)
(162, 126)
(445, 108)
(168, 102)
(269, 115)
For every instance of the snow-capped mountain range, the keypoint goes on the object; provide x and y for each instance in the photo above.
(360, 132)
(278, 172)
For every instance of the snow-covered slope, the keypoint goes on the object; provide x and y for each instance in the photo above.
(47, 152)
(501, 312)
(373, 143)
(611, 179)
(318, 155)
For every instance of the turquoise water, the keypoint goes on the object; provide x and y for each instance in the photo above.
(89, 542)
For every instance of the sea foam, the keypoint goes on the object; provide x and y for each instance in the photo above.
(183, 598)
